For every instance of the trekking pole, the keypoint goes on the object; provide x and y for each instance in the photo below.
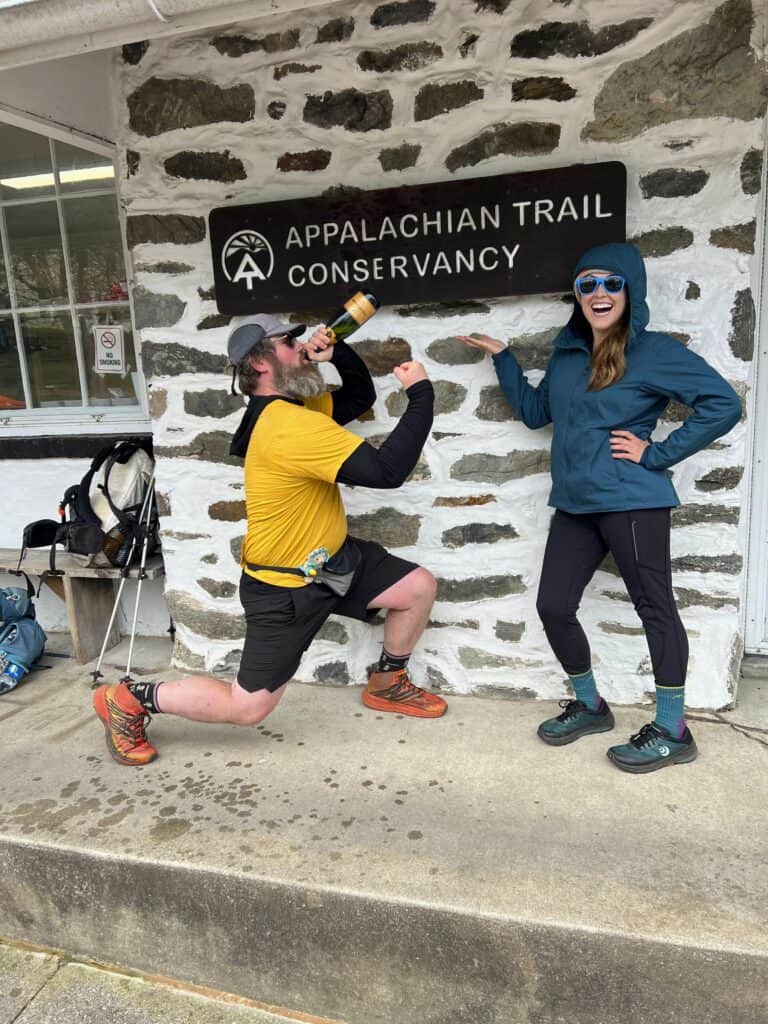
(96, 674)
(142, 575)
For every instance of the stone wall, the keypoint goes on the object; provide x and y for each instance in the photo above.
(363, 95)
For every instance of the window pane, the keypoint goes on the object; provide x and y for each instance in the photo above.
(37, 260)
(25, 164)
(11, 389)
(80, 170)
(109, 388)
(49, 345)
(5, 298)
(95, 249)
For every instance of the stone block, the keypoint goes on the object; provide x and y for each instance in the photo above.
(723, 479)
(164, 267)
(729, 564)
(382, 356)
(707, 71)
(337, 30)
(663, 241)
(405, 13)
(436, 310)
(164, 229)
(743, 325)
(478, 533)
(228, 511)
(672, 183)
(352, 109)
(132, 162)
(211, 446)
(688, 598)
(236, 547)
(512, 632)
(452, 352)
(542, 87)
(525, 138)
(735, 236)
(203, 620)
(309, 160)
(407, 57)
(295, 68)
(212, 402)
(166, 104)
(467, 46)
(217, 588)
(448, 398)
(213, 321)
(435, 99)
(476, 658)
(389, 527)
(153, 309)
(693, 515)
(620, 629)
(460, 501)
(239, 46)
(751, 171)
(171, 359)
(693, 291)
(334, 672)
(399, 158)
(276, 109)
(574, 38)
(498, 469)
(493, 406)
(205, 166)
(479, 588)
(158, 402)
(333, 631)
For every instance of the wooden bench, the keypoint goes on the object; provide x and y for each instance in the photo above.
(88, 592)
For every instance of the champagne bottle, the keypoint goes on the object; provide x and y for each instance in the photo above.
(356, 311)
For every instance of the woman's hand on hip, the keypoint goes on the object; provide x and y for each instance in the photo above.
(483, 341)
(624, 445)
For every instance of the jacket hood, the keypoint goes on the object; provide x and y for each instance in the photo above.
(619, 258)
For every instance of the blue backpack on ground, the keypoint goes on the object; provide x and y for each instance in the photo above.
(22, 640)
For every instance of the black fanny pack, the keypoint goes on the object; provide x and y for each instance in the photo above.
(338, 573)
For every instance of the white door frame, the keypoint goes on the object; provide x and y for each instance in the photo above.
(756, 601)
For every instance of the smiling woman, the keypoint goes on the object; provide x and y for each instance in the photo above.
(62, 274)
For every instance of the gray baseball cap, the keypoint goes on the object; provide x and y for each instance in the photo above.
(246, 331)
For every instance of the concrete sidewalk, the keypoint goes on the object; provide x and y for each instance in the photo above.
(39, 987)
(375, 868)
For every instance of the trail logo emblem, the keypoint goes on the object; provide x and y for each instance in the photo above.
(247, 256)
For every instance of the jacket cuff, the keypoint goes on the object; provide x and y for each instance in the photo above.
(644, 456)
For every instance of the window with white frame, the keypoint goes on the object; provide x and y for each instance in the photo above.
(66, 335)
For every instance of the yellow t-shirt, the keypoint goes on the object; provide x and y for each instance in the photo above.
(293, 502)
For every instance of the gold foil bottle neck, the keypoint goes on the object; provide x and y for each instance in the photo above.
(359, 308)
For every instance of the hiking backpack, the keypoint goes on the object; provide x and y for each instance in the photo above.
(22, 640)
(101, 517)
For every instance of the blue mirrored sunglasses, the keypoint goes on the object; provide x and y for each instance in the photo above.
(613, 284)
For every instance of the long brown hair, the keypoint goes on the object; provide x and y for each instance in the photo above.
(609, 358)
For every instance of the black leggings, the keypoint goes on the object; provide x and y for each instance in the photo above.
(639, 543)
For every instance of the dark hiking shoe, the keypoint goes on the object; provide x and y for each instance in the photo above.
(652, 748)
(576, 720)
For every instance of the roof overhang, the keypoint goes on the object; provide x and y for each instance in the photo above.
(32, 31)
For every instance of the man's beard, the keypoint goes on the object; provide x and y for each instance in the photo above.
(304, 381)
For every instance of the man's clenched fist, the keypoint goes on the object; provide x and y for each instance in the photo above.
(410, 373)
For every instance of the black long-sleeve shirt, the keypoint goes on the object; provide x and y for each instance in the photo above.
(391, 465)
(357, 393)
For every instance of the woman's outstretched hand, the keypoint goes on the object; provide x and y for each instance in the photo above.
(483, 341)
(624, 445)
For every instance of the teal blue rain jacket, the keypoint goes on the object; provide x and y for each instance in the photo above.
(585, 476)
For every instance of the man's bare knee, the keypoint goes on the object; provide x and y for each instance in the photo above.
(246, 715)
(425, 587)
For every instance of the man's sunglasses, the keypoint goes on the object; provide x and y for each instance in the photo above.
(613, 284)
(284, 339)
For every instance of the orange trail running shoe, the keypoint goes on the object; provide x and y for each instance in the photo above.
(394, 691)
(123, 719)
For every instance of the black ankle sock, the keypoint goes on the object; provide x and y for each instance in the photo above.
(390, 662)
(145, 694)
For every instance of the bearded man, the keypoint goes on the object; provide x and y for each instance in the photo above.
(298, 564)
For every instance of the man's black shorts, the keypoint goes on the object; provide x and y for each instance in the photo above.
(282, 621)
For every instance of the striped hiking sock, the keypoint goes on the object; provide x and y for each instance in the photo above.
(670, 709)
(585, 689)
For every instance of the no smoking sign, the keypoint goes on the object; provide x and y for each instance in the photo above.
(108, 350)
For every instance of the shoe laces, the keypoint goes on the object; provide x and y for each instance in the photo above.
(646, 737)
(130, 725)
(402, 688)
(572, 708)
